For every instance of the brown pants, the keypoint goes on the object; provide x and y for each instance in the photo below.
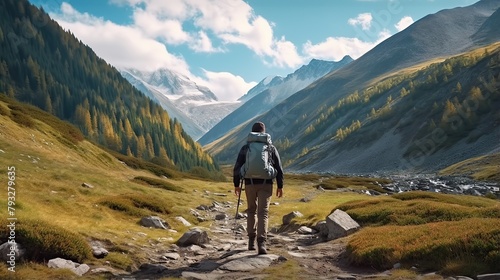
(258, 199)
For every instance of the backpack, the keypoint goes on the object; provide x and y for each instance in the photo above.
(258, 163)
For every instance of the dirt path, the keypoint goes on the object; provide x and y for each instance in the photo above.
(226, 256)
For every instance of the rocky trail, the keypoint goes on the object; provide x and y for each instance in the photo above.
(220, 252)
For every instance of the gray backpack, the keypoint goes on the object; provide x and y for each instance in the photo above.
(258, 163)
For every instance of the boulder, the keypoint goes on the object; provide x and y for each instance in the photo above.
(321, 228)
(8, 250)
(154, 222)
(183, 221)
(340, 224)
(287, 219)
(195, 236)
(78, 269)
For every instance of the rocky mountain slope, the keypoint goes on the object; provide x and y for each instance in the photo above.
(194, 106)
(380, 112)
(270, 92)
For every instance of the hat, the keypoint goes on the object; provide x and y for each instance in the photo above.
(258, 127)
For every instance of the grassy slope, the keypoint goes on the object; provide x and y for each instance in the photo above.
(485, 168)
(50, 171)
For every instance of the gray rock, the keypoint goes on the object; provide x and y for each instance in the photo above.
(59, 263)
(195, 236)
(287, 219)
(340, 224)
(321, 228)
(183, 221)
(87, 185)
(11, 251)
(249, 263)
(171, 256)
(220, 217)
(99, 252)
(305, 230)
(154, 222)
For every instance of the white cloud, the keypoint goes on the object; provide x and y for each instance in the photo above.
(364, 20)
(229, 21)
(121, 46)
(169, 30)
(335, 48)
(403, 23)
(226, 86)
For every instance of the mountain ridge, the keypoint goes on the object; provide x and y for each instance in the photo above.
(56, 72)
(272, 93)
(184, 99)
(310, 118)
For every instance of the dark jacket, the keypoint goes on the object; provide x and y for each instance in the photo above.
(240, 161)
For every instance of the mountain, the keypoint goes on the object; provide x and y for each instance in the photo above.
(261, 86)
(45, 66)
(194, 106)
(273, 91)
(423, 99)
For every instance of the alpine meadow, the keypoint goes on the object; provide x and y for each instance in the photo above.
(391, 159)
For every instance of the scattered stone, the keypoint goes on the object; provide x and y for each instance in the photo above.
(306, 230)
(154, 222)
(11, 251)
(204, 207)
(275, 203)
(171, 256)
(340, 224)
(287, 219)
(305, 199)
(396, 266)
(99, 252)
(78, 269)
(220, 194)
(220, 217)
(87, 185)
(195, 236)
(183, 221)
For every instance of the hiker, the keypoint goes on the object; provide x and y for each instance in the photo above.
(258, 164)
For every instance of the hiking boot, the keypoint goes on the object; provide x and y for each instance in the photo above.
(261, 246)
(251, 243)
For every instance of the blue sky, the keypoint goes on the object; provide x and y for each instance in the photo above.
(230, 45)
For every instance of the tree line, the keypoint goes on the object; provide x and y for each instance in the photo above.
(45, 66)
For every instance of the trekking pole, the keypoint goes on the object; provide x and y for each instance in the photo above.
(238, 206)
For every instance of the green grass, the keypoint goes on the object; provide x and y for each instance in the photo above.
(485, 168)
(43, 241)
(414, 208)
(453, 234)
(433, 246)
(158, 183)
(56, 213)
